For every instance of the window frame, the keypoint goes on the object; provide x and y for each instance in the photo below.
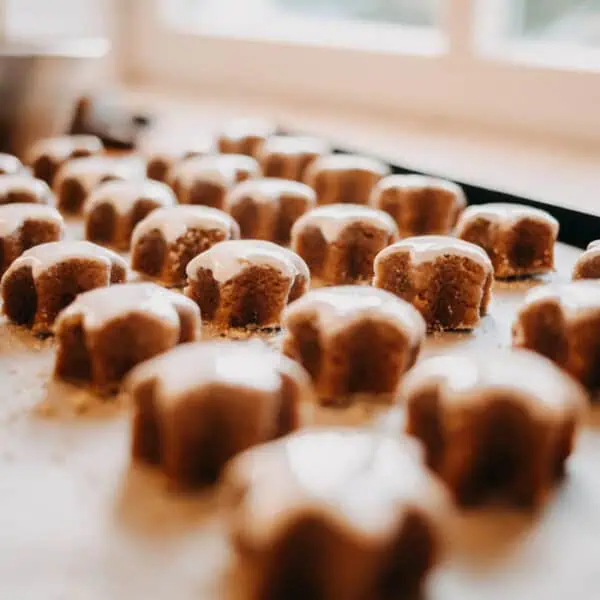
(469, 78)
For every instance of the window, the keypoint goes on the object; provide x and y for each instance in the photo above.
(523, 64)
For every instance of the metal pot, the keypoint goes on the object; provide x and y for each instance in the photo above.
(39, 84)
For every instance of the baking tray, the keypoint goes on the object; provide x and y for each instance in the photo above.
(78, 521)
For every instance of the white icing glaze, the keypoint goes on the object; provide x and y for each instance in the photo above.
(346, 162)
(237, 130)
(578, 299)
(26, 184)
(506, 215)
(339, 307)
(520, 373)
(91, 170)
(333, 219)
(41, 258)
(123, 194)
(294, 145)
(594, 244)
(100, 306)
(249, 364)
(299, 263)
(173, 222)
(13, 216)
(220, 169)
(9, 164)
(270, 190)
(62, 147)
(360, 480)
(174, 149)
(411, 183)
(592, 252)
(227, 259)
(428, 248)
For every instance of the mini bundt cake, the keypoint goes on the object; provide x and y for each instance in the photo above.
(206, 180)
(518, 239)
(47, 278)
(344, 178)
(266, 209)
(23, 226)
(23, 189)
(420, 205)
(242, 283)
(562, 322)
(335, 514)
(163, 243)
(106, 332)
(494, 424)
(353, 339)
(245, 136)
(339, 242)
(200, 404)
(78, 177)
(448, 280)
(288, 157)
(46, 156)
(9, 164)
(164, 157)
(588, 264)
(114, 208)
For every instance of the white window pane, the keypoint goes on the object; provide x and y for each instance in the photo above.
(562, 21)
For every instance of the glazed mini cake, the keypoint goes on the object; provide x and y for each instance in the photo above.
(77, 178)
(562, 322)
(288, 157)
(23, 189)
(165, 156)
(335, 514)
(588, 264)
(106, 332)
(200, 404)
(9, 164)
(47, 278)
(245, 136)
(344, 178)
(353, 339)
(23, 226)
(420, 205)
(46, 156)
(339, 242)
(114, 208)
(448, 280)
(496, 424)
(243, 283)
(519, 239)
(166, 240)
(266, 209)
(206, 180)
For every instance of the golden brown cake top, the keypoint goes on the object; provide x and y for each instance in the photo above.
(102, 305)
(291, 145)
(269, 190)
(228, 259)
(526, 376)
(13, 216)
(62, 147)
(24, 183)
(333, 219)
(247, 364)
(577, 299)
(123, 194)
(174, 221)
(344, 163)
(91, 170)
(339, 307)
(219, 169)
(414, 183)
(506, 215)
(429, 248)
(9, 164)
(357, 480)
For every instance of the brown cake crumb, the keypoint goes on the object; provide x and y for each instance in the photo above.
(245, 136)
(588, 264)
(288, 157)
